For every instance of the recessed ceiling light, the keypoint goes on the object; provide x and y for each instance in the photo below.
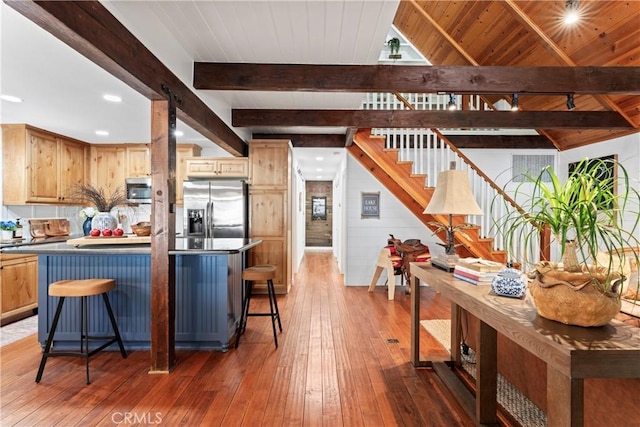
(10, 98)
(319, 158)
(178, 133)
(102, 133)
(319, 170)
(112, 98)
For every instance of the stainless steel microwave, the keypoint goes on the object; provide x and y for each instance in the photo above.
(138, 190)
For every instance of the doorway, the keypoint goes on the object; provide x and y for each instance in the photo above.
(319, 214)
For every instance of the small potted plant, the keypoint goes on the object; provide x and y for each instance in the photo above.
(394, 48)
(7, 228)
(585, 215)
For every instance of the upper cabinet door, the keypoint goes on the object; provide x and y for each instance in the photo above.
(138, 161)
(108, 167)
(73, 168)
(42, 166)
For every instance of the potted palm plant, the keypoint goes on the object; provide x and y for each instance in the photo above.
(586, 217)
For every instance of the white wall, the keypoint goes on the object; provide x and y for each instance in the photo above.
(339, 226)
(298, 197)
(628, 151)
(366, 237)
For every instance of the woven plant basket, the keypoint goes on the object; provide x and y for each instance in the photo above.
(575, 298)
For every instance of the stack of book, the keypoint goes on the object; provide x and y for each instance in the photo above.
(477, 271)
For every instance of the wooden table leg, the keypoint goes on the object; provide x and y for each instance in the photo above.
(456, 317)
(565, 399)
(415, 321)
(487, 375)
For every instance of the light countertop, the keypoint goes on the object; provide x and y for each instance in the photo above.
(184, 246)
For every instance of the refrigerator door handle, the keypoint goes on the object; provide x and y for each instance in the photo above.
(207, 219)
(211, 223)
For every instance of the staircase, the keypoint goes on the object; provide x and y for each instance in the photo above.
(412, 188)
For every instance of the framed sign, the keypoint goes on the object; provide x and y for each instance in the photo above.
(318, 208)
(370, 205)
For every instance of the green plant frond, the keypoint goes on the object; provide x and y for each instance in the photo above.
(598, 210)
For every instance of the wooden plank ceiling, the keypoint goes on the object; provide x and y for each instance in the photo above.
(531, 33)
(479, 47)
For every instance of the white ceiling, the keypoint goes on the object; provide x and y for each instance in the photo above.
(62, 90)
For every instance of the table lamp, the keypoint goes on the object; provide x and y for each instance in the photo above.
(452, 196)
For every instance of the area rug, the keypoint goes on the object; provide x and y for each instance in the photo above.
(17, 330)
(440, 329)
(518, 405)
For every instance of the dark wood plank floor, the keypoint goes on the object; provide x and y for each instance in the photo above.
(343, 360)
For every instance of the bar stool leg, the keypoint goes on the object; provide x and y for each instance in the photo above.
(84, 331)
(114, 325)
(49, 342)
(275, 303)
(272, 298)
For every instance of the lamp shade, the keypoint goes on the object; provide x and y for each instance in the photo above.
(453, 195)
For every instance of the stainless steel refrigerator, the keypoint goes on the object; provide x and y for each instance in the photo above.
(215, 208)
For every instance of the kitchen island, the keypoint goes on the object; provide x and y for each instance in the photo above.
(208, 290)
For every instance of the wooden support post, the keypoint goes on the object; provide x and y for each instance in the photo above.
(163, 184)
(486, 375)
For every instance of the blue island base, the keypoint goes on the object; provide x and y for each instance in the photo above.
(208, 298)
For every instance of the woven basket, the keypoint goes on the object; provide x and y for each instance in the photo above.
(574, 298)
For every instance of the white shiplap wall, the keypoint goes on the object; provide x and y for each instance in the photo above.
(365, 237)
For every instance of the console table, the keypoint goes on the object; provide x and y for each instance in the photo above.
(572, 353)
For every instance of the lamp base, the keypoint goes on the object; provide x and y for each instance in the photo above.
(445, 262)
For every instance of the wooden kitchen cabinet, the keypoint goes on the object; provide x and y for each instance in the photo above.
(108, 167)
(41, 166)
(138, 161)
(18, 285)
(111, 164)
(73, 167)
(270, 208)
(218, 167)
(184, 152)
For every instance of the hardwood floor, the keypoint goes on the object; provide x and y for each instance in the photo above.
(343, 360)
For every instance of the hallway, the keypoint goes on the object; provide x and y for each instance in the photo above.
(343, 361)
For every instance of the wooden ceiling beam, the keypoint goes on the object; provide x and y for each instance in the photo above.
(416, 79)
(89, 28)
(307, 140)
(500, 141)
(431, 119)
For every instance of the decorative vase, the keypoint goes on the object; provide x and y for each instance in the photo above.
(576, 298)
(6, 234)
(104, 220)
(509, 282)
(86, 226)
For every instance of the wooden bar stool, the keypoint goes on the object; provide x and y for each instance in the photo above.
(249, 275)
(83, 289)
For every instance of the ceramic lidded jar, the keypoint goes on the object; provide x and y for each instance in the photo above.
(509, 282)
(104, 220)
